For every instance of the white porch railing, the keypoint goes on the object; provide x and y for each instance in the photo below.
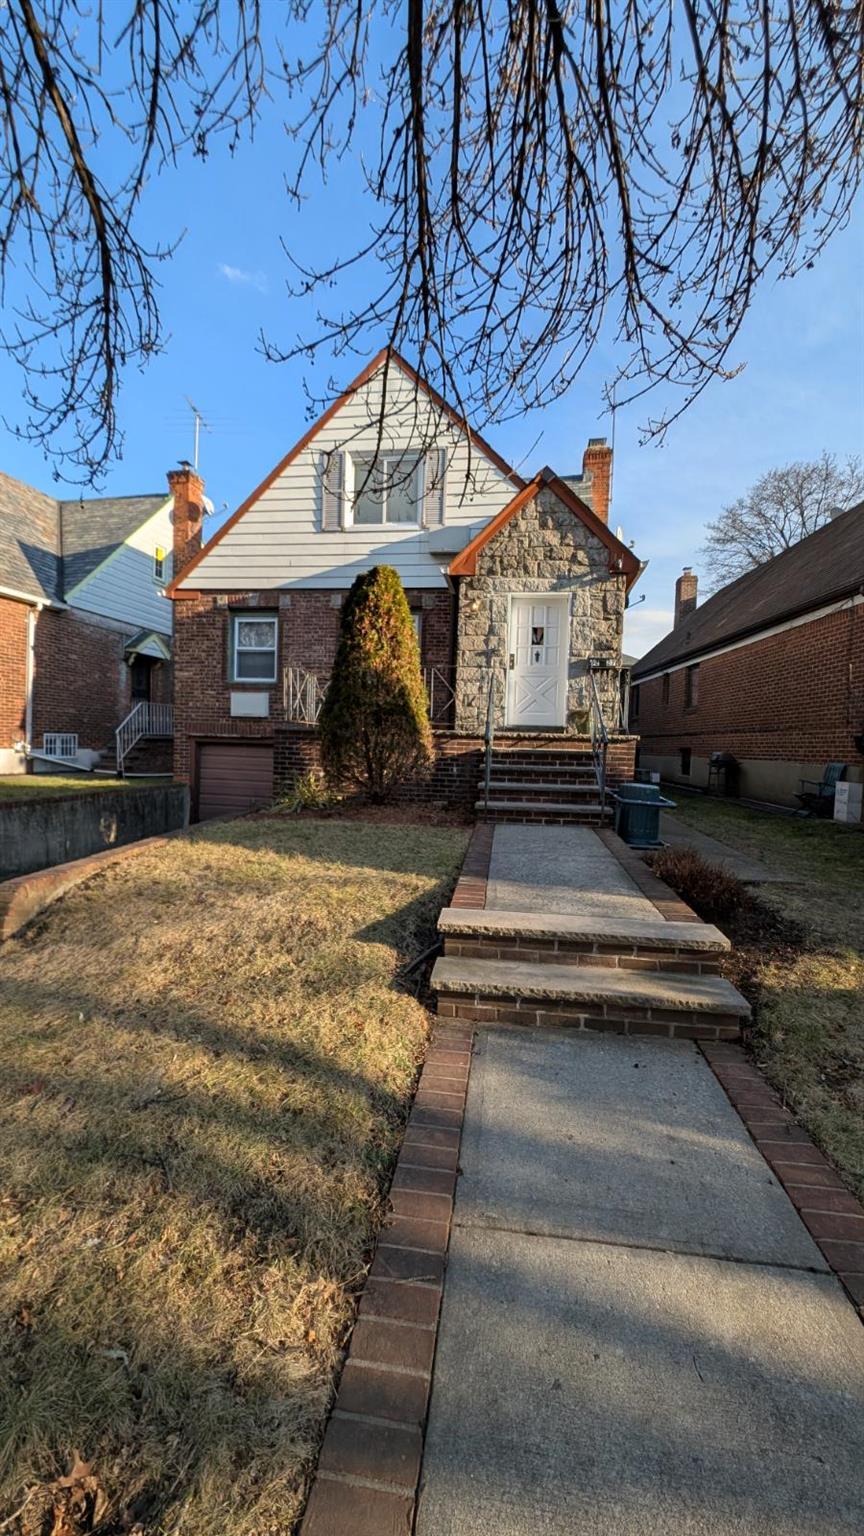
(62, 744)
(303, 694)
(144, 719)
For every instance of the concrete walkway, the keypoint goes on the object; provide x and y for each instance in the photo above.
(560, 869)
(638, 1336)
(677, 834)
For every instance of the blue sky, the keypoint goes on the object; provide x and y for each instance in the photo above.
(802, 389)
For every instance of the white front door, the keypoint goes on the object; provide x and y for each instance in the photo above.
(537, 675)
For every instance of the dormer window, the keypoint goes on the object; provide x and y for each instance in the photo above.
(387, 489)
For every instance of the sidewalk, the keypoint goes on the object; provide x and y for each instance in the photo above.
(638, 1334)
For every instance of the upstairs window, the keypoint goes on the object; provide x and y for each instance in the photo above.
(634, 702)
(691, 687)
(253, 648)
(159, 564)
(387, 489)
(666, 682)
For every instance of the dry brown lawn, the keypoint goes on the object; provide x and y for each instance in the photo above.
(206, 1059)
(807, 978)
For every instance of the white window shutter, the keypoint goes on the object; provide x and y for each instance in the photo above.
(434, 487)
(332, 491)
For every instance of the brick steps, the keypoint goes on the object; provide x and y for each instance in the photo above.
(507, 789)
(540, 810)
(622, 1001)
(561, 939)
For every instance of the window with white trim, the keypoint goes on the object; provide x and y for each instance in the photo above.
(387, 489)
(159, 564)
(253, 647)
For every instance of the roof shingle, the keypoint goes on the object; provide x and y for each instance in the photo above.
(824, 567)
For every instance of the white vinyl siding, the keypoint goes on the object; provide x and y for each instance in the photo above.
(123, 586)
(290, 537)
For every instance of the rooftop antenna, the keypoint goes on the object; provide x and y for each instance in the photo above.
(199, 423)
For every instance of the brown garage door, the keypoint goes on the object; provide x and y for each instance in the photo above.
(233, 778)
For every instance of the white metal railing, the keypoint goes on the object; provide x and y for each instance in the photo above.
(62, 744)
(303, 694)
(144, 719)
(599, 741)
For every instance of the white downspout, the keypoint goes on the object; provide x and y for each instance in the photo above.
(32, 615)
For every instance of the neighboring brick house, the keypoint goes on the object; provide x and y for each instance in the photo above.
(769, 669)
(85, 626)
(519, 584)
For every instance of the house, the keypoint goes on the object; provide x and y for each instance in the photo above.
(517, 589)
(85, 628)
(770, 669)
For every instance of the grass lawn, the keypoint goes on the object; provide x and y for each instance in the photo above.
(205, 1065)
(26, 786)
(810, 985)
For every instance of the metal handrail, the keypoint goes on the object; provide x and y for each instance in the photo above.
(144, 719)
(303, 694)
(599, 742)
(489, 738)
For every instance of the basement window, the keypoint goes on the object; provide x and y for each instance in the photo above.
(253, 648)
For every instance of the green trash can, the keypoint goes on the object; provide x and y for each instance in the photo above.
(637, 814)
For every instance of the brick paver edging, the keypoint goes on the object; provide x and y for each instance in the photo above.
(833, 1216)
(471, 886)
(668, 903)
(369, 1465)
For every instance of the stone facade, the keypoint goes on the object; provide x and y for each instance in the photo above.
(544, 548)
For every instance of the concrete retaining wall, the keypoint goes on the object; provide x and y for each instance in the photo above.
(37, 834)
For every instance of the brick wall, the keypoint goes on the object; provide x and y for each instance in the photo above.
(793, 697)
(308, 636)
(81, 680)
(13, 670)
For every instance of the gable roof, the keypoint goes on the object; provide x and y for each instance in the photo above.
(386, 355)
(93, 529)
(47, 546)
(620, 557)
(823, 568)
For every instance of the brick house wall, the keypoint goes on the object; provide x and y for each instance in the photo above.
(308, 634)
(82, 681)
(784, 706)
(13, 673)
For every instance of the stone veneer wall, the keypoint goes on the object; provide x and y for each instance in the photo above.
(544, 548)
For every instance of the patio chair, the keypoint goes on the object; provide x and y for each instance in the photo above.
(817, 795)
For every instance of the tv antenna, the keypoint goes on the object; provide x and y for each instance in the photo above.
(199, 423)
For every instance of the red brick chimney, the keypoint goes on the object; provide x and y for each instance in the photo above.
(597, 462)
(685, 594)
(187, 488)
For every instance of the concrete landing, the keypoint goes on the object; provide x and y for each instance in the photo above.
(561, 869)
(638, 1335)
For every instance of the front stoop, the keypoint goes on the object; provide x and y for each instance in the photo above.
(651, 1002)
(685, 948)
(541, 784)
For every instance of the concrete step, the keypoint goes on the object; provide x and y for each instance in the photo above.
(539, 810)
(506, 789)
(562, 939)
(588, 997)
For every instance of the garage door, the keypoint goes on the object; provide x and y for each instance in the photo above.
(233, 778)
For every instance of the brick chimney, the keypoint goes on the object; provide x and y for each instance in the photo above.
(597, 462)
(685, 594)
(187, 488)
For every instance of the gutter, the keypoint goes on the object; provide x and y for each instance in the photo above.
(30, 597)
(32, 617)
